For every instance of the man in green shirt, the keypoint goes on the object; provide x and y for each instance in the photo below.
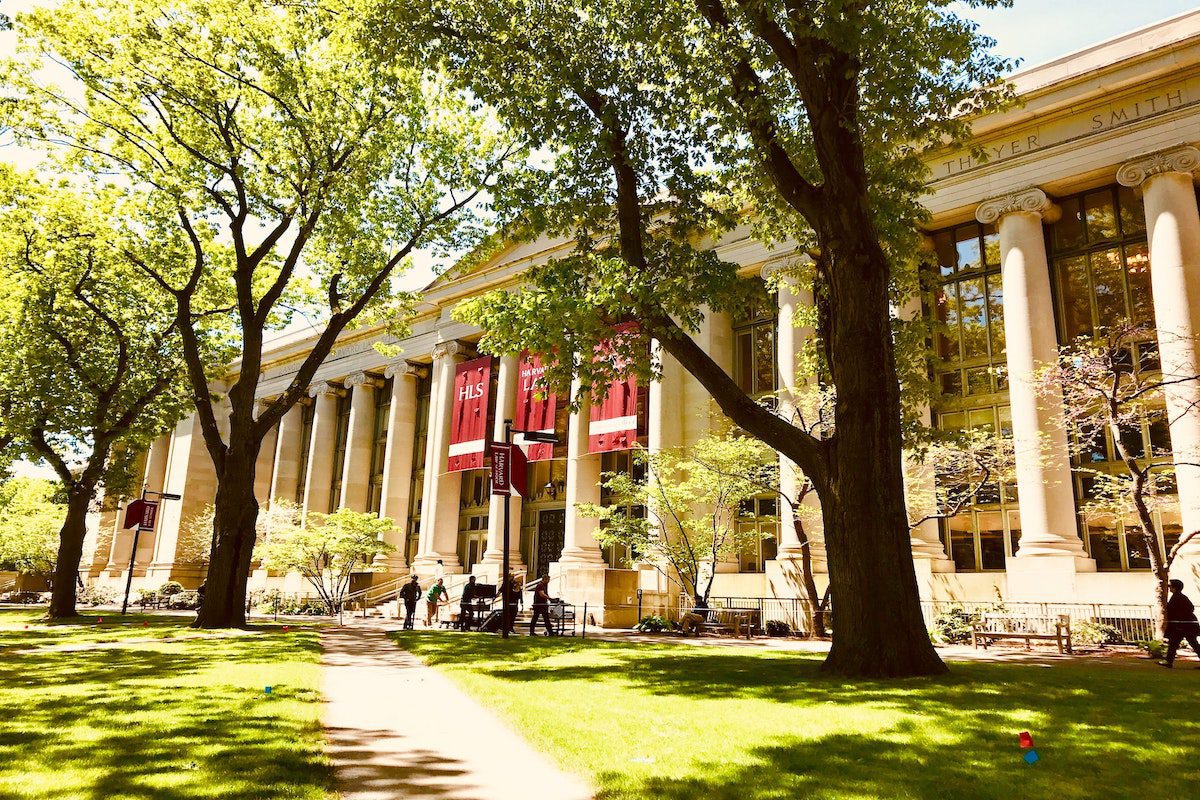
(435, 594)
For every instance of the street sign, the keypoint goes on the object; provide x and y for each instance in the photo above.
(141, 513)
(508, 469)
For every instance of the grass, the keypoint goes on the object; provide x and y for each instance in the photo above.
(679, 722)
(149, 714)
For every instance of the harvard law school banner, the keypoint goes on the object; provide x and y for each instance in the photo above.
(535, 407)
(613, 420)
(468, 419)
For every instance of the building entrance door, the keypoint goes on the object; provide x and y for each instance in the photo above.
(552, 531)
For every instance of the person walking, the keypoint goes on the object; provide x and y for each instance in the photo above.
(464, 604)
(410, 593)
(541, 606)
(432, 598)
(1181, 624)
(513, 594)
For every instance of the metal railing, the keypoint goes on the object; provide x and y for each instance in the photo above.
(1133, 623)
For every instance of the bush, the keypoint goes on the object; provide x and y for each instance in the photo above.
(655, 624)
(953, 626)
(96, 595)
(26, 598)
(170, 589)
(777, 627)
(1153, 648)
(1089, 633)
(186, 600)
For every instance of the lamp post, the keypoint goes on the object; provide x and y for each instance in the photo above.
(502, 480)
(147, 514)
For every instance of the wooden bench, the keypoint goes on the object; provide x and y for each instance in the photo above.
(997, 627)
(731, 621)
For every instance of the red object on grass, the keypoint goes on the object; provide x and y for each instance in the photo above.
(285, 627)
(1026, 740)
(99, 620)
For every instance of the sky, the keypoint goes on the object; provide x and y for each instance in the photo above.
(1034, 31)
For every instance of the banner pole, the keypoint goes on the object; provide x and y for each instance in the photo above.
(505, 601)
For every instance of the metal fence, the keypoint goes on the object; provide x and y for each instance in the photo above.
(1132, 622)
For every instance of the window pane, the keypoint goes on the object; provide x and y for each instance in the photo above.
(943, 246)
(991, 245)
(972, 304)
(979, 381)
(962, 543)
(991, 540)
(982, 419)
(745, 362)
(1074, 295)
(1101, 216)
(764, 358)
(966, 242)
(1160, 436)
(995, 308)
(952, 384)
(1105, 547)
(1148, 360)
(1133, 211)
(1014, 530)
(1068, 231)
(1131, 437)
(1108, 287)
(1171, 530)
(947, 312)
(1137, 268)
(1135, 547)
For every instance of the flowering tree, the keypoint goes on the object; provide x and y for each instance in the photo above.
(1112, 384)
(697, 498)
(328, 552)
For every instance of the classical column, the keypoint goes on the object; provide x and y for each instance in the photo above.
(154, 480)
(360, 441)
(318, 483)
(506, 407)
(791, 338)
(180, 542)
(265, 463)
(438, 539)
(286, 477)
(1043, 465)
(1166, 179)
(583, 486)
(398, 460)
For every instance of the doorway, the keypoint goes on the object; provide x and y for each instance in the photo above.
(551, 534)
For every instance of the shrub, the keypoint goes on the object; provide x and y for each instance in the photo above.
(777, 627)
(953, 626)
(1089, 633)
(96, 595)
(1153, 648)
(186, 600)
(655, 624)
(170, 589)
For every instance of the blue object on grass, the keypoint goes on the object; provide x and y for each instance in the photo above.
(267, 690)
(1031, 756)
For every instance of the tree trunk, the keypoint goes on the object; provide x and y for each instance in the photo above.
(70, 551)
(235, 514)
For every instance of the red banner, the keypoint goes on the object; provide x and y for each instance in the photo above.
(613, 420)
(535, 407)
(141, 513)
(468, 419)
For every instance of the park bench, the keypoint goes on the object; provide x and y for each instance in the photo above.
(995, 627)
(729, 621)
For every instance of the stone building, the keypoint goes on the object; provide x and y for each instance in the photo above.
(1078, 208)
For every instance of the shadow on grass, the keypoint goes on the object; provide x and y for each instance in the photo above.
(168, 721)
(768, 724)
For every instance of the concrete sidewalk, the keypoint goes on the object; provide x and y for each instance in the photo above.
(395, 728)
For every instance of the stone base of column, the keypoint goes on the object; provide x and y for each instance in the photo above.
(795, 552)
(1045, 578)
(609, 595)
(189, 575)
(496, 557)
(581, 557)
(934, 562)
(393, 563)
(427, 565)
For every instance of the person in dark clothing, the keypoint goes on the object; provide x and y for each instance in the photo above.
(513, 592)
(541, 606)
(464, 607)
(1181, 624)
(410, 593)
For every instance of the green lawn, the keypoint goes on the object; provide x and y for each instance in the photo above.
(682, 723)
(157, 716)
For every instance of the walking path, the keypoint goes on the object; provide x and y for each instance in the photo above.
(395, 728)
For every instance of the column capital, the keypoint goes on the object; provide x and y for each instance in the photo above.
(1030, 200)
(404, 369)
(448, 349)
(361, 379)
(780, 269)
(324, 388)
(1182, 158)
